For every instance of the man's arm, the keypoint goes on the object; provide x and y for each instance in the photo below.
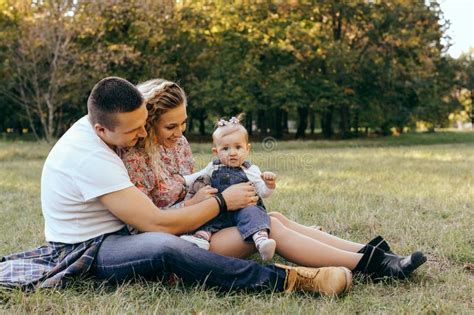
(133, 207)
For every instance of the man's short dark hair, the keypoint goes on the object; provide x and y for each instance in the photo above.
(109, 96)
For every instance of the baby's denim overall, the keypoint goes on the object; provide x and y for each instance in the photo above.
(248, 220)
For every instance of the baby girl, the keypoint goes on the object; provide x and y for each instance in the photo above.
(231, 146)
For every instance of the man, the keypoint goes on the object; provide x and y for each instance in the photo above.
(87, 198)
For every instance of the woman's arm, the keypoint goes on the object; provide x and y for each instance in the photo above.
(202, 194)
(190, 179)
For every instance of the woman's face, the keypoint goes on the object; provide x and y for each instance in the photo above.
(170, 126)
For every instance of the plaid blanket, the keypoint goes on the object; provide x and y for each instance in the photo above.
(48, 266)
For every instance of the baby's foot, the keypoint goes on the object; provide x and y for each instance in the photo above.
(201, 243)
(266, 248)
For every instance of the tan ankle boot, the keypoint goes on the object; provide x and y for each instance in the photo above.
(326, 280)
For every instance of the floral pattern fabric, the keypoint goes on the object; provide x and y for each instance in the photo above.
(168, 189)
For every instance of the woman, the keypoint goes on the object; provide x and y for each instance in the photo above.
(156, 166)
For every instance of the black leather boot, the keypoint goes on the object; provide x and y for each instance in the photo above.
(379, 242)
(379, 264)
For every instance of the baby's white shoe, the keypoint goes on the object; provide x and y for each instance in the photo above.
(201, 243)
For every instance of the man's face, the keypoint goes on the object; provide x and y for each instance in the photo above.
(130, 127)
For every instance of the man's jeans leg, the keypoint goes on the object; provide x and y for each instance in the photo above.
(153, 254)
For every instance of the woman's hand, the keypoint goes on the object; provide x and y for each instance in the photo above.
(202, 194)
(240, 196)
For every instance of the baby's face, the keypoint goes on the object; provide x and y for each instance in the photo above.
(232, 149)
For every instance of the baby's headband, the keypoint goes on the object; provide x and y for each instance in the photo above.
(232, 120)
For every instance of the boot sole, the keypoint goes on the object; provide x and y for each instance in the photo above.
(417, 259)
(348, 275)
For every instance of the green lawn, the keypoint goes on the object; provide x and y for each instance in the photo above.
(416, 190)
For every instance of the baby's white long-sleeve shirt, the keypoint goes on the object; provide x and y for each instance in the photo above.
(253, 174)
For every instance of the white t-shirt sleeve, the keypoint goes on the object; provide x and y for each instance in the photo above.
(205, 171)
(101, 173)
(253, 173)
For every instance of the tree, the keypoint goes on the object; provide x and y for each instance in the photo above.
(353, 64)
(467, 80)
(42, 60)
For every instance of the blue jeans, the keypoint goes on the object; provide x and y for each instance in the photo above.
(248, 221)
(154, 255)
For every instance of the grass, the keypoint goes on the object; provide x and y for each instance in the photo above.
(416, 190)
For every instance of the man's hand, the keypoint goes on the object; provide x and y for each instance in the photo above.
(240, 196)
(270, 179)
(203, 194)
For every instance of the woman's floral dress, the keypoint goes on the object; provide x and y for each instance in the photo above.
(167, 189)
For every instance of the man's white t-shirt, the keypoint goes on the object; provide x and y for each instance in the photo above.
(79, 169)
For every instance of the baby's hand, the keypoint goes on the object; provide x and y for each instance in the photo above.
(270, 179)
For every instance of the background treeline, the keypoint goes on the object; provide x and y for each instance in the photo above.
(342, 67)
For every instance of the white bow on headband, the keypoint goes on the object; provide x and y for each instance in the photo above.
(232, 120)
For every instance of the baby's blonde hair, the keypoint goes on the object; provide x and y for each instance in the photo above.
(227, 127)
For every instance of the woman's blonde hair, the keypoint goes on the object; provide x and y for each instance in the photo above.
(160, 96)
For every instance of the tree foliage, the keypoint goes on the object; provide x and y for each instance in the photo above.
(346, 66)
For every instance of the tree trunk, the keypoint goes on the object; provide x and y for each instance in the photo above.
(190, 124)
(356, 122)
(202, 123)
(385, 129)
(285, 122)
(50, 129)
(271, 122)
(472, 109)
(262, 122)
(18, 127)
(29, 115)
(344, 123)
(248, 123)
(302, 122)
(326, 122)
(312, 121)
(278, 124)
